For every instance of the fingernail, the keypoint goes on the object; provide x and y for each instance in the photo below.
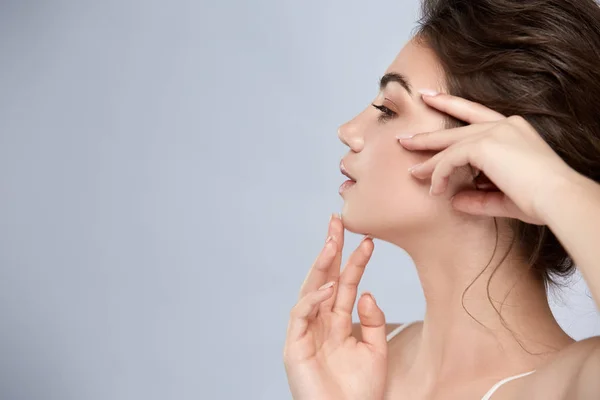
(327, 285)
(367, 237)
(414, 167)
(406, 136)
(372, 297)
(485, 186)
(428, 92)
(329, 238)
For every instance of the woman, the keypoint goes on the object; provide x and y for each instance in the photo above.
(511, 152)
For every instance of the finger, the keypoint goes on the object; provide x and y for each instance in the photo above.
(493, 204)
(350, 278)
(337, 230)
(425, 169)
(441, 139)
(451, 159)
(462, 109)
(440, 166)
(299, 315)
(372, 323)
(319, 271)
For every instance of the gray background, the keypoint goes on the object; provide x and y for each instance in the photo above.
(167, 171)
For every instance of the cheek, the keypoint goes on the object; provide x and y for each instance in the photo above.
(387, 197)
(385, 165)
(387, 182)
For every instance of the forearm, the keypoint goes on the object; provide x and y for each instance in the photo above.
(571, 209)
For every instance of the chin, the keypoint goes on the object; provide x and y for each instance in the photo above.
(362, 220)
(353, 223)
(385, 221)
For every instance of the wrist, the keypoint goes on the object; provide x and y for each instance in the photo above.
(556, 191)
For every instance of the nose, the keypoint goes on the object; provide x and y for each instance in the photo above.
(349, 134)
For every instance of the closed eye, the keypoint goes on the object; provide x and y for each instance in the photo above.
(386, 113)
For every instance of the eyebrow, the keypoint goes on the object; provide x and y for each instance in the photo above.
(395, 77)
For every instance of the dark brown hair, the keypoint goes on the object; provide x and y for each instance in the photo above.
(539, 59)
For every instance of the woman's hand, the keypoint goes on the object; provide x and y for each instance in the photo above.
(323, 361)
(509, 151)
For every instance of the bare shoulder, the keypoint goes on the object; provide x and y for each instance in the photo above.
(572, 374)
(357, 332)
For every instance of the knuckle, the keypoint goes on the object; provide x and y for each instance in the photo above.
(351, 285)
(286, 358)
(416, 139)
(294, 312)
(515, 119)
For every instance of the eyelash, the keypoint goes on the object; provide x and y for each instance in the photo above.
(386, 113)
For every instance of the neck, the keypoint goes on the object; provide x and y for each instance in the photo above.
(505, 327)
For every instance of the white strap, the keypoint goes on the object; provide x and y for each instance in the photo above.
(489, 394)
(397, 330)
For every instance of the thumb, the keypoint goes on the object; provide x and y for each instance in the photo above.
(372, 323)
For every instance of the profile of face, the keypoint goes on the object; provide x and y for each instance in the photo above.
(387, 202)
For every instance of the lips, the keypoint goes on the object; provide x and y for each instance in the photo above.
(345, 172)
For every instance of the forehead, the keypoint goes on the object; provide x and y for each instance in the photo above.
(420, 65)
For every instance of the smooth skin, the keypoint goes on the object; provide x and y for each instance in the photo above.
(323, 360)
